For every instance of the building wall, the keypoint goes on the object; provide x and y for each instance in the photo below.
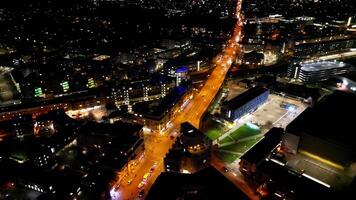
(295, 71)
(232, 115)
(306, 50)
(290, 142)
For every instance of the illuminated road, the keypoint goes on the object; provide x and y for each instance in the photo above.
(156, 148)
(157, 145)
(223, 62)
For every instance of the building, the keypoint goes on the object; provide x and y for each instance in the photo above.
(9, 88)
(118, 143)
(317, 71)
(253, 58)
(325, 131)
(205, 184)
(157, 114)
(244, 103)
(181, 75)
(315, 156)
(258, 153)
(190, 153)
(297, 91)
(144, 89)
(306, 49)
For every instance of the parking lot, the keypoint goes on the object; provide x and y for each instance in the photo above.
(278, 111)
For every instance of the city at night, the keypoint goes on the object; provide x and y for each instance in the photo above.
(177, 99)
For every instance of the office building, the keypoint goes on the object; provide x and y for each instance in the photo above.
(244, 103)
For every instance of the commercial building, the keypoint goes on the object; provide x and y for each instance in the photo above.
(325, 130)
(244, 103)
(157, 114)
(317, 71)
(190, 153)
(181, 75)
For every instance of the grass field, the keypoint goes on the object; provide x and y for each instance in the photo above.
(233, 151)
(244, 131)
(241, 147)
(226, 140)
(213, 134)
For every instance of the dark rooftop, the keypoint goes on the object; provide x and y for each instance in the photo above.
(258, 152)
(205, 184)
(189, 130)
(118, 129)
(158, 108)
(332, 119)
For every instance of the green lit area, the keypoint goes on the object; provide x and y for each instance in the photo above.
(213, 134)
(65, 86)
(226, 140)
(238, 142)
(19, 157)
(91, 83)
(38, 92)
(246, 130)
(241, 147)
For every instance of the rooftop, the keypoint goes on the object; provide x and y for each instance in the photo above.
(264, 147)
(205, 184)
(245, 97)
(156, 109)
(330, 119)
(322, 65)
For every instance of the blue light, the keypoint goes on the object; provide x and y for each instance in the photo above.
(182, 69)
(252, 126)
(114, 194)
(291, 108)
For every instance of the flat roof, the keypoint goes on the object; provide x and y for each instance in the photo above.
(157, 109)
(205, 184)
(245, 97)
(263, 148)
(322, 65)
(331, 119)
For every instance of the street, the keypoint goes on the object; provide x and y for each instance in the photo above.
(157, 145)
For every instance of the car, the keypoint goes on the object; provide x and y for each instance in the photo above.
(129, 181)
(225, 169)
(141, 194)
(154, 167)
(142, 183)
(146, 175)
